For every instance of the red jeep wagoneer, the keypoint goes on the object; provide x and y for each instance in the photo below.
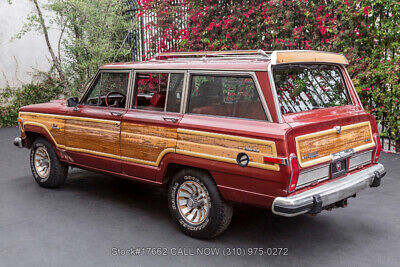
(284, 130)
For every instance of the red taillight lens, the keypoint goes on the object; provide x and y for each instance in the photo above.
(377, 149)
(275, 160)
(295, 170)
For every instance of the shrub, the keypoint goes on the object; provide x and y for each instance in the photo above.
(11, 99)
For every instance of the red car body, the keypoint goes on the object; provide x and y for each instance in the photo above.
(249, 185)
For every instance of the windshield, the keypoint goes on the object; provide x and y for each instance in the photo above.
(309, 86)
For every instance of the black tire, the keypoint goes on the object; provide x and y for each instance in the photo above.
(58, 171)
(220, 212)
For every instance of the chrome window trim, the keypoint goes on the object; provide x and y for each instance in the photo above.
(185, 92)
(166, 96)
(132, 79)
(274, 93)
(99, 73)
(89, 86)
(274, 58)
(226, 117)
(170, 71)
(229, 73)
(353, 88)
(159, 71)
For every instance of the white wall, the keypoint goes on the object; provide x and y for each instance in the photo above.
(19, 57)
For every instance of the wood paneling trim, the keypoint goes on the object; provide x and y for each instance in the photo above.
(230, 137)
(46, 129)
(274, 167)
(225, 148)
(70, 117)
(186, 151)
(151, 163)
(333, 144)
(70, 148)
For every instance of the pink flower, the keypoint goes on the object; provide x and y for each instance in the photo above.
(366, 9)
(323, 30)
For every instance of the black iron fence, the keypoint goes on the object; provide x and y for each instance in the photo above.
(135, 38)
(144, 39)
(389, 138)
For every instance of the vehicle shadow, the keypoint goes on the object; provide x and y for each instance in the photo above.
(250, 227)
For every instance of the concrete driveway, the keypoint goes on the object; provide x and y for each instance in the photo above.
(95, 220)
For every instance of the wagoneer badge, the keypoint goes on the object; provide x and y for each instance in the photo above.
(338, 129)
(311, 155)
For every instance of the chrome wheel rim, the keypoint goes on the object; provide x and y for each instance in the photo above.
(42, 162)
(193, 202)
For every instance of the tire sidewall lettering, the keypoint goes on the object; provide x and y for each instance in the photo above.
(174, 207)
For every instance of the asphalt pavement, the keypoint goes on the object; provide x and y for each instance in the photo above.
(97, 220)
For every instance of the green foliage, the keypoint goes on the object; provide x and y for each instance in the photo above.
(92, 33)
(11, 99)
(366, 31)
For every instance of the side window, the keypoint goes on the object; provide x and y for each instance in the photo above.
(227, 96)
(113, 84)
(174, 95)
(93, 97)
(153, 89)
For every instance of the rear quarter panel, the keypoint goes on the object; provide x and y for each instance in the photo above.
(212, 143)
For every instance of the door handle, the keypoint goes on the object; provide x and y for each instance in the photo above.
(116, 113)
(171, 119)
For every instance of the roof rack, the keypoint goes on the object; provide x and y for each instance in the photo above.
(230, 54)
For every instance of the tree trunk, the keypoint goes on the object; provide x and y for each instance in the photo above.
(56, 63)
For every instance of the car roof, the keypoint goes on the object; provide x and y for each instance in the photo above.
(243, 60)
(194, 64)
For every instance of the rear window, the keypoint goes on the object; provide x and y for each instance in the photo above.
(226, 96)
(308, 87)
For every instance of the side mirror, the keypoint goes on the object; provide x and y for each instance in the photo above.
(72, 102)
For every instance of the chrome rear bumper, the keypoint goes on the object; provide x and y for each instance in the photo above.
(315, 199)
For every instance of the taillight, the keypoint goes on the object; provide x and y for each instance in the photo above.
(377, 149)
(294, 170)
(282, 161)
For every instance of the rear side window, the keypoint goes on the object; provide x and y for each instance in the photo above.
(309, 86)
(227, 96)
(174, 93)
(151, 91)
(158, 91)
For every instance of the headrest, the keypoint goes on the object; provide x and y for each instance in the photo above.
(158, 99)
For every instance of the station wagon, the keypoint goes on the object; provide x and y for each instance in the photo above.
(281, 130)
